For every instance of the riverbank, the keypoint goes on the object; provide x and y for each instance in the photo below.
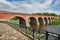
(9, 33)
(55, 22)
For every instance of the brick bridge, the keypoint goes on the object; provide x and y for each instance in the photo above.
(26, 19)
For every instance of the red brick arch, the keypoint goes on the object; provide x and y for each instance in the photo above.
(15, 16)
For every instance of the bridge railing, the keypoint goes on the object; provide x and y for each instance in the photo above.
(36, 35)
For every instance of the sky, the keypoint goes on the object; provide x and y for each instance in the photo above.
(31, 6)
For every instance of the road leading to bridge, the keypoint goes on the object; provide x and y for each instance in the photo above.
(9, 33)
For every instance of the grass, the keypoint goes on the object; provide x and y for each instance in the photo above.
(30, 32)
(56, 22)
(14, 21)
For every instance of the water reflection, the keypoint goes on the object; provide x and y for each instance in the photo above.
(40, 27)
(52, 38)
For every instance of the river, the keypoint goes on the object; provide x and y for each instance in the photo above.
(54, 29)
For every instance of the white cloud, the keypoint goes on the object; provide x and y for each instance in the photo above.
(56, 3)
(4, 4)
(34, 7)
(23, 6)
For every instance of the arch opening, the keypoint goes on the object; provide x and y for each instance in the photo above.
(40, 21)
(46, 22)
(32, 22)
(18, 20)
(49, 20)
(52, 18)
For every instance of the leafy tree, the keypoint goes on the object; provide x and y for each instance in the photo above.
(46, 14)
(38, 13)
(53, 14)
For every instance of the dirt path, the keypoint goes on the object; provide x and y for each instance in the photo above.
(9, 33)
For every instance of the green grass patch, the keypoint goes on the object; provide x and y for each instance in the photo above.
(14, 21)
(56, 22)
(27, 31)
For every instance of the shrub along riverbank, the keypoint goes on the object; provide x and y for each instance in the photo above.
(56, 22)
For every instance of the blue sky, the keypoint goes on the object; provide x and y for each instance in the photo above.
(31, 6)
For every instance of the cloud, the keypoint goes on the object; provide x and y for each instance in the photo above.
(57, 2)
(34, 6)
(29, 6)
(6, 5)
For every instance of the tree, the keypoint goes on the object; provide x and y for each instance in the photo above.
(53, 14)
(38, 13)
(46, 14)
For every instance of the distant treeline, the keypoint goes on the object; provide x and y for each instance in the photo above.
(46, 14)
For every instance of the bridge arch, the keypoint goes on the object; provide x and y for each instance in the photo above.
(21, 20)
(32, 22)
(52, 19)
(49, 19)
(45, 19)
(40, 19)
